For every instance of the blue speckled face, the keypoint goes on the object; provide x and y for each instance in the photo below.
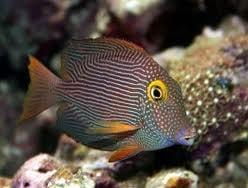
(165, 113)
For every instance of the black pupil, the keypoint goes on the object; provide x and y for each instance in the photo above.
(156, 93)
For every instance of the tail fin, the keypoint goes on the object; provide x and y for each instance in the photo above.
(41, 92)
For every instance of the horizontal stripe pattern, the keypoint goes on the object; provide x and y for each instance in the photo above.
(75, 123)
(107, 79)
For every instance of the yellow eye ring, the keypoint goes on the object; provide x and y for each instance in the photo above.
(157, 91)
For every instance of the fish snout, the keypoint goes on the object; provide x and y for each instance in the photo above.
(190, 133)
(186, 136)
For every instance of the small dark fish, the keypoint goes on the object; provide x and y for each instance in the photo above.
(112, 96)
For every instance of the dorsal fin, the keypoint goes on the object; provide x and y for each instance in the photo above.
(84, 47)
(77, 49)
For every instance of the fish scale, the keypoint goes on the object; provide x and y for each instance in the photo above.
(112, 96)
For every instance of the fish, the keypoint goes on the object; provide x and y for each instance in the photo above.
(112, 96)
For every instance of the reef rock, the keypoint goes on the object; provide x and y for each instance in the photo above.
(173, 178)
(36, 172)
(213, 73)
(68, 178)
(5, 182)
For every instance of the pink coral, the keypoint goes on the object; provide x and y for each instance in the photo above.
(35, 172)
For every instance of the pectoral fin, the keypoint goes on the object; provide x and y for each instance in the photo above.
(125, 152)
(112, 128)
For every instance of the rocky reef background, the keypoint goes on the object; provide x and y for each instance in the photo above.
(202, 43)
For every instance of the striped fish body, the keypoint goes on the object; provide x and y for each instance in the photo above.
(112, 96)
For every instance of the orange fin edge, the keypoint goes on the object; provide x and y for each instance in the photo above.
(125, 152)
(114, 128)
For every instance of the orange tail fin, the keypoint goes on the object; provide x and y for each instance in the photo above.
(41, 94)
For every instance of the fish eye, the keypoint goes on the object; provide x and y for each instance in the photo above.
(157, 91)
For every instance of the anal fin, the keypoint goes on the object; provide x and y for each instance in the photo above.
(125, 152)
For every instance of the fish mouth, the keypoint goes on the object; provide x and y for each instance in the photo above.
(189, 140)
(189, 136)
(190, 133)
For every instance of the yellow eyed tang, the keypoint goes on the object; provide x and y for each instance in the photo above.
(112, 96)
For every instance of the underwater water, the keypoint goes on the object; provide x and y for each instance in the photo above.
(202, 44)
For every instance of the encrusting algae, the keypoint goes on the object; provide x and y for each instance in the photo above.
(112, 96)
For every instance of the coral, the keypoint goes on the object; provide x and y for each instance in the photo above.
(46, 171)
(217, 94)
(213, 77)
(65, 177)
(36, 172)
(5, 182)
(173, 178)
